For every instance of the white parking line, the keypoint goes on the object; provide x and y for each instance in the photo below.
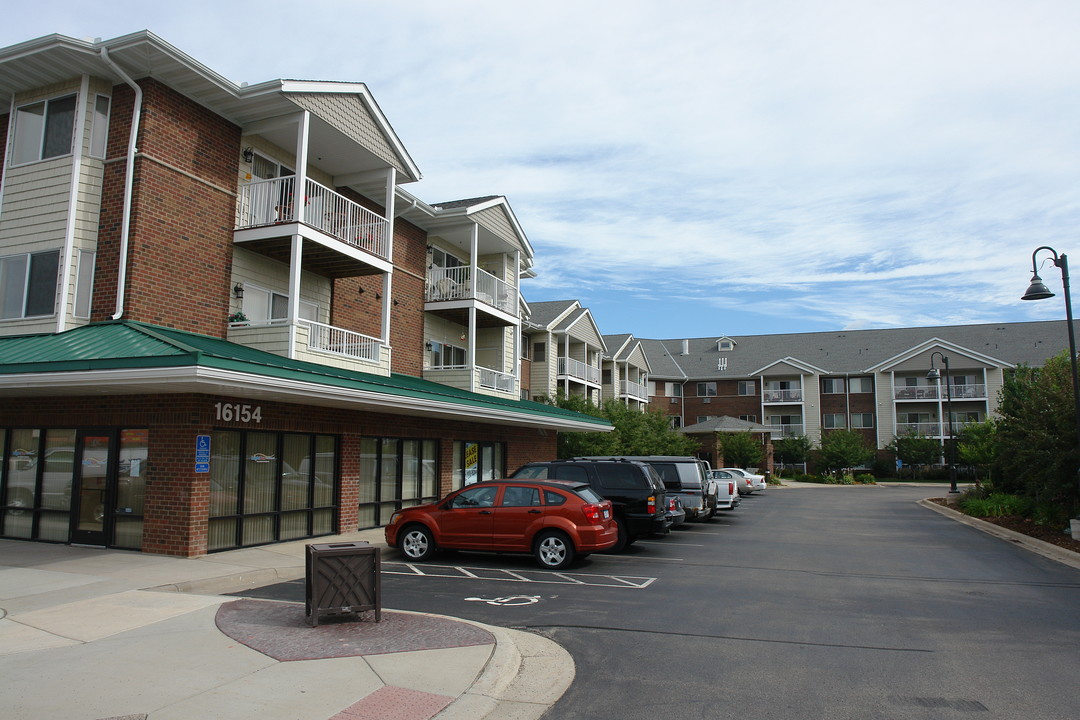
(521, 576)
(667, 542)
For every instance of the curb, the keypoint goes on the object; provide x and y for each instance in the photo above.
(1047, 550)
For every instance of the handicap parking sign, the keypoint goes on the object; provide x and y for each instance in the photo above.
(202, 453)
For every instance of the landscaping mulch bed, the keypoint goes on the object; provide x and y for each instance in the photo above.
(1025, 526)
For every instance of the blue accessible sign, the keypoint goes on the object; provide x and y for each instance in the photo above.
(202, 453)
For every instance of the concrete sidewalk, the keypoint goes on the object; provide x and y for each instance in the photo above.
(87, 634)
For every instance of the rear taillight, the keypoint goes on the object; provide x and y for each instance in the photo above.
(652, 506)
(731, 488)
(593, 513)
(671, 504)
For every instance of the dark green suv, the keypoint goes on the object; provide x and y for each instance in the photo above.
(635, 490)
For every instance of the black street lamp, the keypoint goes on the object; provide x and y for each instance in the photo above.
(935, 374)
(1038, 291)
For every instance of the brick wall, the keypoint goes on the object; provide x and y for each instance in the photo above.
(183, 212)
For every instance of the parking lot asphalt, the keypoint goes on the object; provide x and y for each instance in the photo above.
(93, 634)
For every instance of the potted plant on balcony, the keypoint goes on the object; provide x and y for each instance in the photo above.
(237, 318)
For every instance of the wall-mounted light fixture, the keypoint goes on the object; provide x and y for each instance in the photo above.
(249, 154)
(395, 301)
(378, 295)
(238, 291)
(427, 346)
(360, 290)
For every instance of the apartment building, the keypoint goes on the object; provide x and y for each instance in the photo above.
(625, 372)
(876, 382)
(223, 320)
(565, 350)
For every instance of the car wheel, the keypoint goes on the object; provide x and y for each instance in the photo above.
(623, 540)
(553, 550)
(416, 543)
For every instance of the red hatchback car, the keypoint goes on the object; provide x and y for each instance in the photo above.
(554, 520)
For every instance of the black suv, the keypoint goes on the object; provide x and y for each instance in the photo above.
(635, 490)
(683, 476)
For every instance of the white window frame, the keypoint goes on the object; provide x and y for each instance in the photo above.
(708, 386)
(23, 135)
(829, 420)
(747, 385)
(857, 420)
(23, 283)
(84, 283)
(308, 310)
(99, 132)
(440, 350)
(864, 384)
(829, 385)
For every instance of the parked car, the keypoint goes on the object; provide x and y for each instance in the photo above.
(727, 489)
(554, 520)
(748, 482)
(676, 516)
(683, 476)
(636, 492)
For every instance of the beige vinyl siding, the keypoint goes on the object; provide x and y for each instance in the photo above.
(349, 114)
(498, 222)
(811, 409)
(886, 408)
(249, 267)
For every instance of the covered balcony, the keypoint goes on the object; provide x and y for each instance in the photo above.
(341, 238)
(315, 342)
(452, 291)
(785, 395)
(578, 370)
(633, 390)
(786, 430)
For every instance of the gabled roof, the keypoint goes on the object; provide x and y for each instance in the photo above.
(127, 357)
(545, 314)
(937, 344)
(856, 351)
(58, 58)
(624, 346)
(794, 364)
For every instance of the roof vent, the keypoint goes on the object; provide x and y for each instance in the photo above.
(685, 347)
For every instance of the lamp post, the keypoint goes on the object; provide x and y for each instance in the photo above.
(935, 374)
(1038, 291)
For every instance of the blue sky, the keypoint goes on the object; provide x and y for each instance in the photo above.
(706, 167)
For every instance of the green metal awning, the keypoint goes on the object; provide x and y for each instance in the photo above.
(126, 357)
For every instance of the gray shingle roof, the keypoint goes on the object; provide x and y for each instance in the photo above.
(544, 313)
(724, 423)
(851, 351)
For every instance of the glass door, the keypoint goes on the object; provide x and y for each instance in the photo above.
(95, 459)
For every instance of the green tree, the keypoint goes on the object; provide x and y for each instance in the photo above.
(1035, 434)
(977, 446)
(843, 449)
(741, 450)
(636, 432)
(915, 450)
(792, 450)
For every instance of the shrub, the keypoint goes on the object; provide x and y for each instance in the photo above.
(997, 505)
(865, 479)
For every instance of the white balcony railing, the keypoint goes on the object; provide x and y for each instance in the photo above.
(495, 380)
(328, 338)
(786, 430)
(929, 429)
(268, 202)
(634, 390)
(930, 392)
(576, 369)
(453, 284)
(778, 396)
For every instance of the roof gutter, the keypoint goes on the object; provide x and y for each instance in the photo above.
(129, 179)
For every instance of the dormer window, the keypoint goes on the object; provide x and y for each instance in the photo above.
(725, 344)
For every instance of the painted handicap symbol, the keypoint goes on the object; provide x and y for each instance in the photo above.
(507, 600)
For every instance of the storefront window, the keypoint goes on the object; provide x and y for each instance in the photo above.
(395, 473)
(475, 461)
(269, 487)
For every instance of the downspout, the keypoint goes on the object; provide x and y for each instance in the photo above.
(73, 203)
(129, 179)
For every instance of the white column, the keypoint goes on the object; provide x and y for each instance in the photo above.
(295, 259)
(303, 124)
